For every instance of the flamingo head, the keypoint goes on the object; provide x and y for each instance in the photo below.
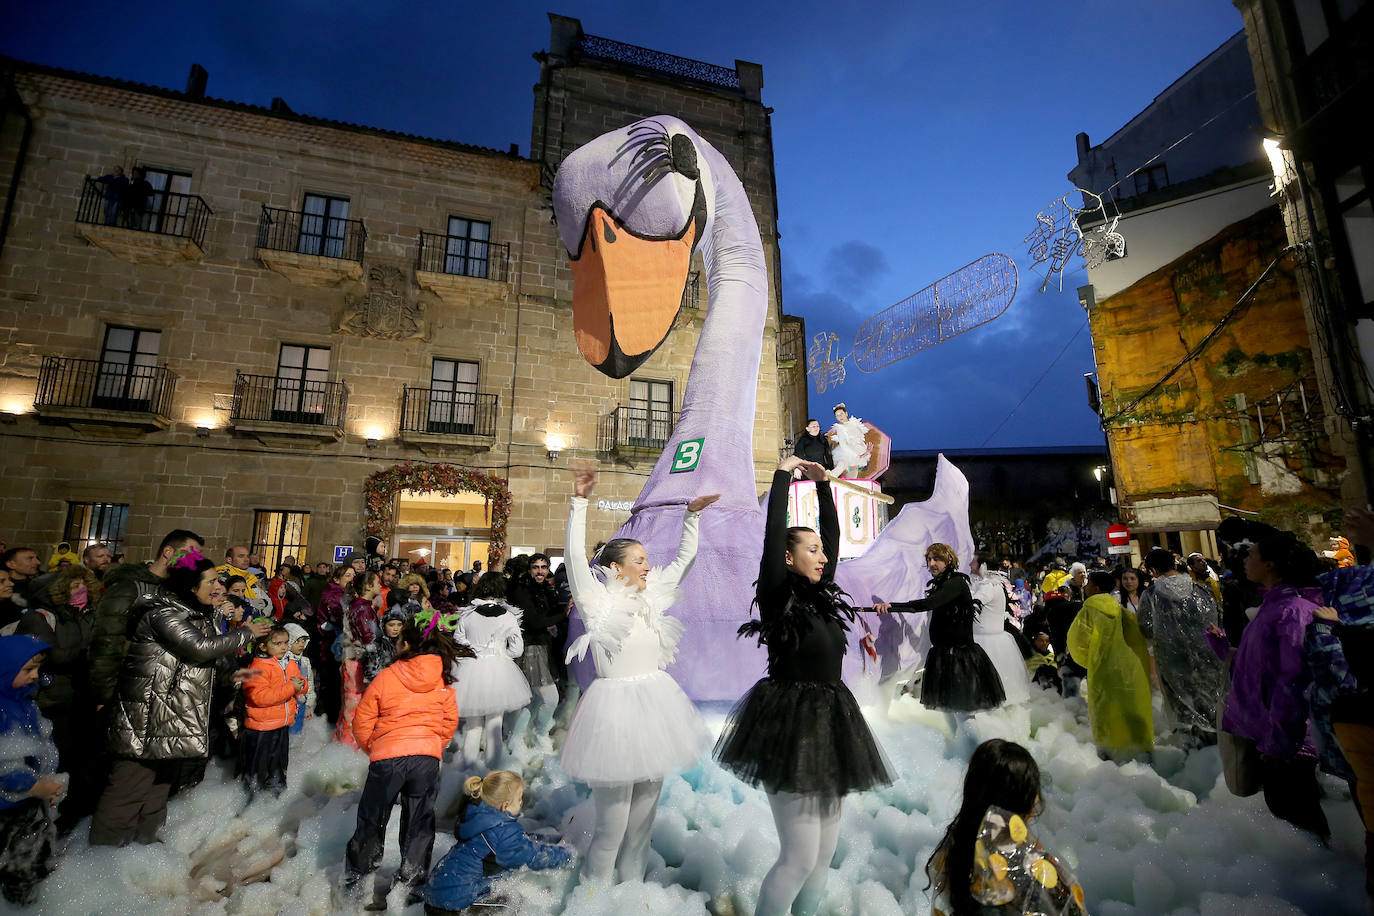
(631, 207)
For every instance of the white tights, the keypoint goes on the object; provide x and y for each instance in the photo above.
(808, 830)
(477, 728)
(543, 710)
(624, 822)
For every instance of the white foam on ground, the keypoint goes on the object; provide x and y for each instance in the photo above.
(1162, 838)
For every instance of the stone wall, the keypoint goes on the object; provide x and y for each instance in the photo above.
(224, 311)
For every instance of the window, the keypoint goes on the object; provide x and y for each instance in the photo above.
(650, 418)
(280, 534)
(166, 213)
(128, 369)
(1357, 224)
(324, 224)
(302, 387)
(452, 396)
(1151, 178)
(96, 523)
(468, 249)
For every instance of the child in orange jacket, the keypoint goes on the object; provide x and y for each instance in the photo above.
(404, 721)
(269, 699)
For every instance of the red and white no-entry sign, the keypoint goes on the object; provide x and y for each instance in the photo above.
(1118, 535)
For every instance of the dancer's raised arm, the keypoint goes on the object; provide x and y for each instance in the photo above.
(773, 569)
(580, 579)
(677, 570)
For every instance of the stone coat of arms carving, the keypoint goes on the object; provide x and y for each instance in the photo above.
(385, 310)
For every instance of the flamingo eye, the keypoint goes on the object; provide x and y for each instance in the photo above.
(609, 232)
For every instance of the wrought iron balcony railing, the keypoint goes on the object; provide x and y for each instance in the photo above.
(271, 399)
(789, 342)
(463, 257)
(163, 213)
(691, 293)
(311, 233)
(434, 411)
(634, 428)
(98, 385)
(657, 61)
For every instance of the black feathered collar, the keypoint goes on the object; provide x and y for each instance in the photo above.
(804, 600)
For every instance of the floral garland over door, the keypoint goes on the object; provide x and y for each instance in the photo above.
(381, 488)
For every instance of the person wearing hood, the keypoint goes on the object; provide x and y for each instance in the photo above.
(492, 684)
(1266, 709)
(374, 548)
(67, 700)
(1174, 611)
(62, 552)
(490, 842)
(1105, 639)
(404, 722)
(300, 640)
(28, 767)
(160, 721)
(329, 614)
(382, 650)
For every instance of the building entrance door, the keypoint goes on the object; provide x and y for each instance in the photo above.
(455, 553)
(448, 531)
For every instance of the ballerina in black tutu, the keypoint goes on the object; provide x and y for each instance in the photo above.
(959, 676)
(798, 733)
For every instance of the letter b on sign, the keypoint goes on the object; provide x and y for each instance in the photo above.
(687, 456)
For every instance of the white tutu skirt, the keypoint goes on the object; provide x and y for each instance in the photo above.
(629, 729)
(488, 685)
(1006, 658)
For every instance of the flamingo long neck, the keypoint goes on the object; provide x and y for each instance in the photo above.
(720, 398)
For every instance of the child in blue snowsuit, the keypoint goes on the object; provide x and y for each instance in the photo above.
(490, 841)
(28, 763)
(296, 652)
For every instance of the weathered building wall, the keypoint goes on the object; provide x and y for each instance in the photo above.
(1213, 430)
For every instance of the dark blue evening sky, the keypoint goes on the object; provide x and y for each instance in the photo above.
(910, 139)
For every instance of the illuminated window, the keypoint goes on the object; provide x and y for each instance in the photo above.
(280, 534)
(96, 523)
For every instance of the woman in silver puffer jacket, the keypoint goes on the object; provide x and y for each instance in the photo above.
(161, 712)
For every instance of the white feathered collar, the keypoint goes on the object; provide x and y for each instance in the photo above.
(608, 612)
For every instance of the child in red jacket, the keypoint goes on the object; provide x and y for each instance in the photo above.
(404, 721)
(269, 699)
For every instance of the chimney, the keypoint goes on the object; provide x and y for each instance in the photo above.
(515, 149)
(1083, 146)
(196, 80)
(279, 106)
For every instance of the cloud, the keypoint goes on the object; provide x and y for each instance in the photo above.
(855, 266)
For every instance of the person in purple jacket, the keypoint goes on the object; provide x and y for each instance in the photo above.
(1267, 704)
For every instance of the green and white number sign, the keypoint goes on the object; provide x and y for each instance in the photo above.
(688, 455)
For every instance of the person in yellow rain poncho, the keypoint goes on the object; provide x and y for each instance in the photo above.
(1105, 639)
(1053, 579)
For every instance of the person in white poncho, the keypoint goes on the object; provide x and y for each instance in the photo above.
(990, 587)
(492, 684)
(634, 726)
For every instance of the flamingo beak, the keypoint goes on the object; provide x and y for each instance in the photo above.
(626, 292)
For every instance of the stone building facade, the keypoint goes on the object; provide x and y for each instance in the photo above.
(301, 304)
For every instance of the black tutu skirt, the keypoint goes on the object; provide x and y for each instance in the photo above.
(805, 737)
(960, 679)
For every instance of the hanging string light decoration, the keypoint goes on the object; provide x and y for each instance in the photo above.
(1058, 236)
(825, 372)
(971, 296)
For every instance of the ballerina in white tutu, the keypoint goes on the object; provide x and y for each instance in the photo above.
(492, 684)
(990, 586)
(634, 726)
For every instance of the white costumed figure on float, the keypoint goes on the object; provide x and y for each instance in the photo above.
(634, 726)
(851, 448)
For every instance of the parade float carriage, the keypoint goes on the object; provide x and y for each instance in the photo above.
(859, 500)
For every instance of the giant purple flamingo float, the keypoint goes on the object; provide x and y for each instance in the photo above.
(631, 207)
